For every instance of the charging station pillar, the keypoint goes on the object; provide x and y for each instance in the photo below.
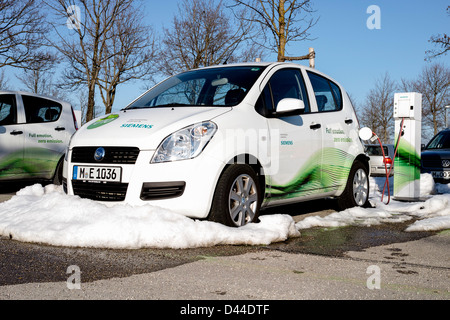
(408, 133)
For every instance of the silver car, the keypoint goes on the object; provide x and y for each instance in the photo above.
(377, 163)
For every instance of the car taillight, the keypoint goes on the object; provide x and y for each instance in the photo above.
(387, 160)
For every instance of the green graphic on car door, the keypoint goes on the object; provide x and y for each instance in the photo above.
(39, 163)
(327, 170)
(11, 164)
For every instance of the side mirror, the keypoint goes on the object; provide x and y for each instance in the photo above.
(290, 107)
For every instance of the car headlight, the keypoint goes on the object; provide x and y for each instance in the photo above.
(186, 143)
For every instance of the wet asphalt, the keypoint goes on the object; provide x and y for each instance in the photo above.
(22, 263)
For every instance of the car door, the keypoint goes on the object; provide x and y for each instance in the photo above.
(45, 135)
(299, 139)
(338, 123)
(11, 138)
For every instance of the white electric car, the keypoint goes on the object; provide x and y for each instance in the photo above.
(222, 142)
(34, 134)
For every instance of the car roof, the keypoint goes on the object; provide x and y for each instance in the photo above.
(261, 64)
(267, 65)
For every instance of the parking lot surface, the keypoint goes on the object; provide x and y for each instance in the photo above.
(382, 262)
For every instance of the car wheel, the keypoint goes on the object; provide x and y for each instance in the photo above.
(57, 179)
(356, 193)
(237, 198)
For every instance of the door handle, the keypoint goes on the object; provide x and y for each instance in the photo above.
(16, 133)
(348, 121)
(315, 126)
(60, 128)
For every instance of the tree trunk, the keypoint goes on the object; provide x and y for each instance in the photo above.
(91, 102)
(110, 97)
(281, 32)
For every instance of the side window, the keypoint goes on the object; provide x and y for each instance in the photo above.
(285, 83)
(328, 95)
(38, 110)
(264, 105)
(8, 112)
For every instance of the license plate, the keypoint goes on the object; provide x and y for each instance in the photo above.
(441, 174)
(106, 174)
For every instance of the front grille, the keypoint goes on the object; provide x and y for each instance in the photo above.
(116, 155)
(437, 163)
(100, 191)
(162, 190)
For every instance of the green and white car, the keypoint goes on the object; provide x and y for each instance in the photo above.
(34, 134)
(223, 142)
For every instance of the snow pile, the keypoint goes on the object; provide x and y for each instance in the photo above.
(47, 215)
(433, 212)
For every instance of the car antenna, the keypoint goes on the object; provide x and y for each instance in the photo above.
(229, 56)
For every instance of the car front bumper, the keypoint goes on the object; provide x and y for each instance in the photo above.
(186, 187)
(380, 170)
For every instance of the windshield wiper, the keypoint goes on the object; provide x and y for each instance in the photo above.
(174, 104)
(168, 105)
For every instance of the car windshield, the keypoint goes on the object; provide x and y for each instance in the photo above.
(441, 141)
(223, 86)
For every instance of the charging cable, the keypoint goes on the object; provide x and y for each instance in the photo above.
(388, 173)
(386, 183)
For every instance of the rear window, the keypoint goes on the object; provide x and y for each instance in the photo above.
(376, 151)
(38, 110)
(7, 110)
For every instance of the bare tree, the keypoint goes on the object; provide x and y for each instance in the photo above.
(81, 104)
(85, 49)
(203, 34)
(21, 33)
(282, 21)
(442, 41)
(131, 46)
(38, 77)
(377, 113)
(434, 84)
(3, 81)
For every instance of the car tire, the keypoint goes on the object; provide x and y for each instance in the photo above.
(237, 198)
(57, 179)
(356, 193)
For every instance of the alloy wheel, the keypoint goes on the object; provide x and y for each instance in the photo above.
(243, 200)
(360, 187)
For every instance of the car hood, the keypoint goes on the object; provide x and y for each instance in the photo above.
(142, 128)
(436, 154)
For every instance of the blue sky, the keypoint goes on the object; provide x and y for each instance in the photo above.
(345, 48)
(356, 56)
